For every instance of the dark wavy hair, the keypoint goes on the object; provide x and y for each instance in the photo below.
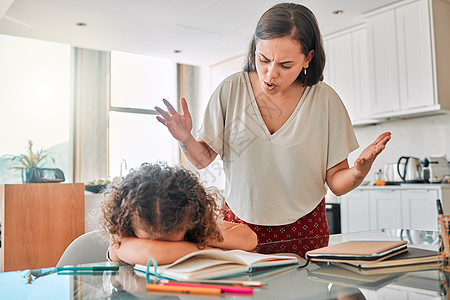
(162, 200)
(299, 23)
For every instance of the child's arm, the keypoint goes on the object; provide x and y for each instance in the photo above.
(134, 250)
(237, 236)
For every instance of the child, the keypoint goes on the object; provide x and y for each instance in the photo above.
(164, 213)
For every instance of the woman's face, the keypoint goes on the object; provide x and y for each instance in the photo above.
(278, 62)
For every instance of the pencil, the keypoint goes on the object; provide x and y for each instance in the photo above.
(223, 288)
(244, 283)
(182, 289)
(93, 268)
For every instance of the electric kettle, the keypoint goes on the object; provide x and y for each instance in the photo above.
(409, 169)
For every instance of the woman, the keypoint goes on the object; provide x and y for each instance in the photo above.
(282, 134)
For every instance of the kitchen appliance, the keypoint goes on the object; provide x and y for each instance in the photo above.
(411, 170)
(435, 168)
(391, 175)
(333, 211)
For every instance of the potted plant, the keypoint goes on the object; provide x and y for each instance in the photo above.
(30, 162)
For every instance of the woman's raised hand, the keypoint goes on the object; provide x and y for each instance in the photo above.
(179, 125)
(364, 162)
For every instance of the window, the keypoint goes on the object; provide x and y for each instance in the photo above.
(35, 101)
(138, 83)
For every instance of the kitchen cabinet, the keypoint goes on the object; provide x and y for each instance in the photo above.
(406, 206)
(409, 68)
(347, 71)
(39, 220)
(385, 208)
(355, 211)
(419, 209)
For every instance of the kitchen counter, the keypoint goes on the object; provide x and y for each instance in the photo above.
(404, 186)
(93, 211)
(410, 206)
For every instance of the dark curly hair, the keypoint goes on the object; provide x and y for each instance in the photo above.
(299, 23)
(162, 200)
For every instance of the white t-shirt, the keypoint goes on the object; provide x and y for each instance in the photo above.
(274, 179)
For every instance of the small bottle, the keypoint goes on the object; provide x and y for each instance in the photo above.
(379, 180)
(378, 175)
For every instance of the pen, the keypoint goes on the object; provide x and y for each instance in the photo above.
(94, 268)
(223, 288)
(244, 283)
(182, 289)
(439, 207)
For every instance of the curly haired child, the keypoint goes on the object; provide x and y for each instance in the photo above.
(164, 213)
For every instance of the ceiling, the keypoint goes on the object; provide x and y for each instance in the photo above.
(205, 31)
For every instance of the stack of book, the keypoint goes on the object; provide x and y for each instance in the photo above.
(376, 257)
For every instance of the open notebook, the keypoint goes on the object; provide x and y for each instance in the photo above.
(212, 264)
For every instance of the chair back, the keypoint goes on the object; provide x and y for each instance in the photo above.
(87, 248)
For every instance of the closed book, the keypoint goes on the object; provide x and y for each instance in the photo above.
(358, 251)
(415, 259)
(213, 263)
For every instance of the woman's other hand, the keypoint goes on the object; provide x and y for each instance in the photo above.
(341, 179)
(365, 160)
(179, 125)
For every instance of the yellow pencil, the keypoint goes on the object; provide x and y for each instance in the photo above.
(182, 289)
(444, 235)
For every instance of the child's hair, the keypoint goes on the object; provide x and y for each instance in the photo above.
(162, 200)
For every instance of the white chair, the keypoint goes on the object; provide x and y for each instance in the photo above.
(87, 248)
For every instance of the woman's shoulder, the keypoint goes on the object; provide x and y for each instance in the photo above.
(237, 77)
(323, 88)
(325, 92)
(233, 85)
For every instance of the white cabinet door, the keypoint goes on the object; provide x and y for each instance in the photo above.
(355, 211)
(401, 59)
(361, 96)
(414, 55)
(419, 209)
(386, 208)
(347, 71)
(340, 69)
(383, 73)
(378, 208)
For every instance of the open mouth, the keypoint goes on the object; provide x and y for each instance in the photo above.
(269, 86)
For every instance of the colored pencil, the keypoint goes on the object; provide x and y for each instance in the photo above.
(223, 288)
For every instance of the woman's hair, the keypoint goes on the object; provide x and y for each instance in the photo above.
(295, 21)
(161, 200)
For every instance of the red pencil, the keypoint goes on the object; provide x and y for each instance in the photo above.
(182, 289)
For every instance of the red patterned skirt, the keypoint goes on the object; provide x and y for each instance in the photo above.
(309, 232)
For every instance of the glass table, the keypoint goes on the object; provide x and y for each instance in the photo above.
(316, 281)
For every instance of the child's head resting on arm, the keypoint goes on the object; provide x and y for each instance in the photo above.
(159, 202)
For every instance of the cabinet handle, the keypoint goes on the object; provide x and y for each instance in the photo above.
(419, 191)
